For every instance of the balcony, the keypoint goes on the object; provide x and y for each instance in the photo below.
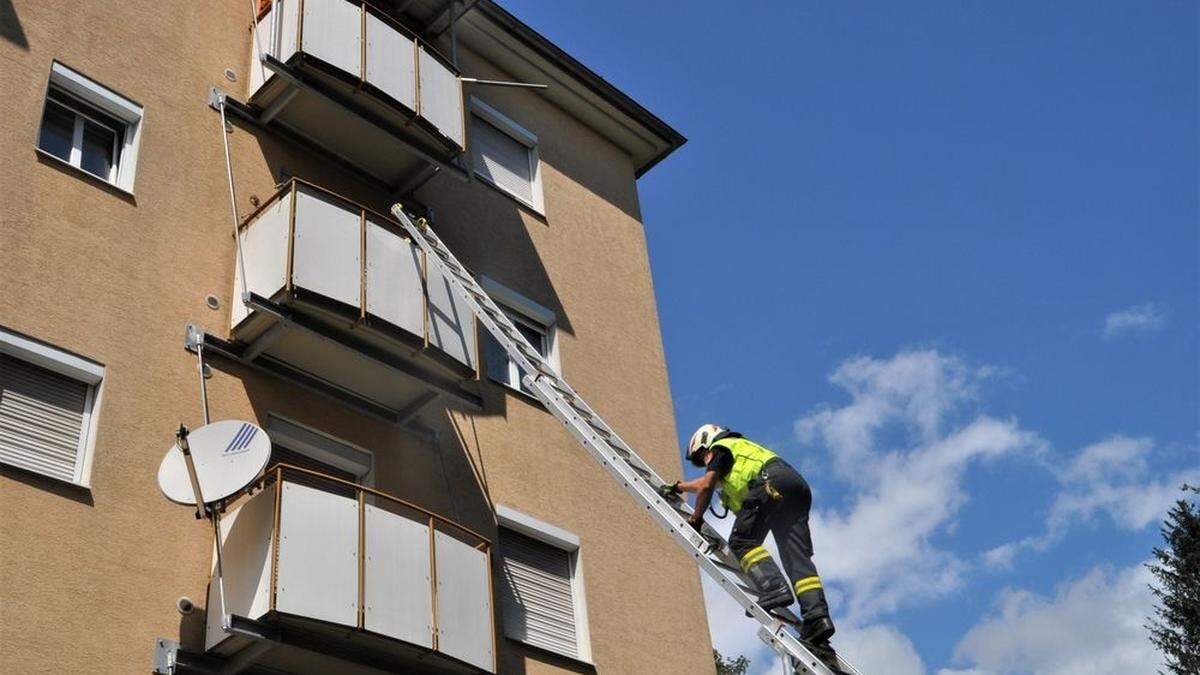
(342, 300)
(322, 576)
(354, 81)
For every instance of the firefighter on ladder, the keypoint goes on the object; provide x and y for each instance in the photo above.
(767, 495)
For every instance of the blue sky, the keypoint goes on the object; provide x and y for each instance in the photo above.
(943, 257)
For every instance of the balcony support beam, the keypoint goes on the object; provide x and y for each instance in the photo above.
(246, 658)
(409, 413)
(263, 342)
(278, 105)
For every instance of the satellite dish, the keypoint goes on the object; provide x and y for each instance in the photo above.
(227, 455)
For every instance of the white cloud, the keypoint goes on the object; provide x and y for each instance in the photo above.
(880, 549)
(1139, 319)
(879, 648)
(1092, 626)
(1111, 477)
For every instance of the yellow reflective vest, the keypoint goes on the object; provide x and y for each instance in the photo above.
(748, 461)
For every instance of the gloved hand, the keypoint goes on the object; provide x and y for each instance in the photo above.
(667, 491)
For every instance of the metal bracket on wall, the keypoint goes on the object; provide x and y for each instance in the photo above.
(193, 337)
(172, 659)
(216, 97)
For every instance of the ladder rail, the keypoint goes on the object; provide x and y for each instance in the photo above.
(708, 548)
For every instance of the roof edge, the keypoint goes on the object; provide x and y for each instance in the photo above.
(589, 78)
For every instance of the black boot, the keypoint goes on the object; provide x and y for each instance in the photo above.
(773, 588)
(817, 625)
(824, 651)
(817, 630)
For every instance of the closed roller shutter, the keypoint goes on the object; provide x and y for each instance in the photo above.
(537, 595)
(41, 418)
(502, 159)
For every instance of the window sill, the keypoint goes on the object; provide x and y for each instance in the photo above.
(526, 205)
(61, 164)
(550, 652)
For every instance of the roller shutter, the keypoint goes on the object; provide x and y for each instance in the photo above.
(502, 159)
(537, 594)
(42, 418)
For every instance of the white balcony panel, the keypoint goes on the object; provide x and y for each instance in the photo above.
(318, 555)
(264, 249)
(441, 98)
(391, 62)
(333, 33)
(394, 279)
(277, 32)
(397, 590)
(464, 606)
(451, 324)
(286, 29)
(266, 37)
(328, 247)
(247, 554)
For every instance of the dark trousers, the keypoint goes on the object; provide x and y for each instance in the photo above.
(778, 502)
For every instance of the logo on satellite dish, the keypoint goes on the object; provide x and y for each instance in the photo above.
(241, 440)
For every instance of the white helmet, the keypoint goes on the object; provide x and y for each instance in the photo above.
(701, 440)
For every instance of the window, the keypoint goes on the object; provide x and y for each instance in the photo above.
(505, 155)
(541, 585)
(90, 127)
(47, 400)
(535, 323)
(299, 445)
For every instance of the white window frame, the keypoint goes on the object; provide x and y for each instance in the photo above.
(489, 115)
(323, 447)
(120, 108)
(77, 368)
(529, 313)
(512, 519)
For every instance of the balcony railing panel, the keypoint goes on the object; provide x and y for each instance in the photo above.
(397, 562)
(464, 602)
(248, 591)
(338, 562)
(389, 62)
(394, 263)
(265, 249)
(441, 98)
(317, 569)
(332, 31)
(327, 253)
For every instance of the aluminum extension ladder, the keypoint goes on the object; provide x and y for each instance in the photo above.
(709, 549)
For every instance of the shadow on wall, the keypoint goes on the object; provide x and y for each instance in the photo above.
(191, 629)
(514, 656)
(47, 484)
(10, 25)
(487, 231)
(442, 477)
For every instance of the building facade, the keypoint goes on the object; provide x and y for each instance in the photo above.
(423, 513)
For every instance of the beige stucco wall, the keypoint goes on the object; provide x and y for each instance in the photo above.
(88, 578)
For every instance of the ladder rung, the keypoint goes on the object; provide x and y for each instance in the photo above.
(604, 433)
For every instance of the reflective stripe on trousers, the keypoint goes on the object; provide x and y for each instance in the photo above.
(786, 517)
